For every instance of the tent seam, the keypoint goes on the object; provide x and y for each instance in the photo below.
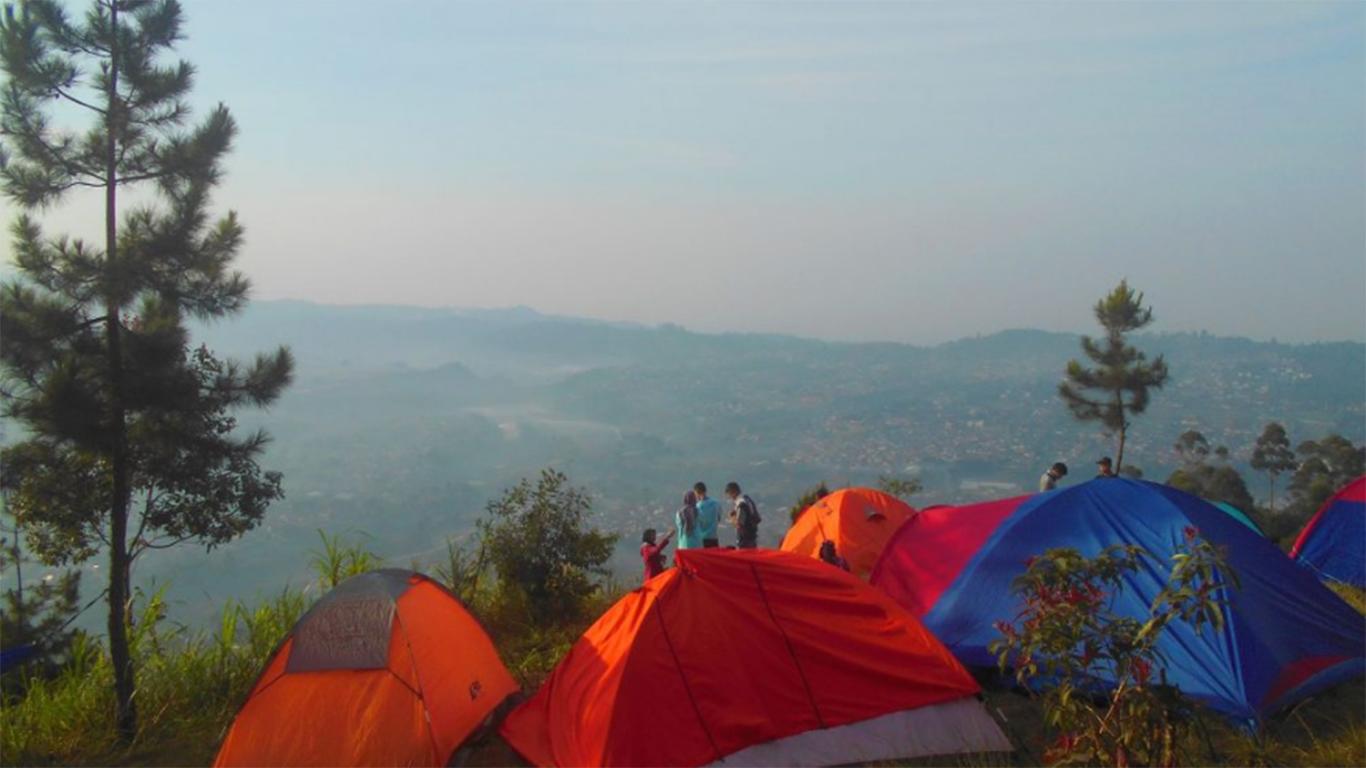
(421, 696)
(701, 721)
(792, 652)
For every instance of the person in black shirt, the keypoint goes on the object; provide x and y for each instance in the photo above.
(744, 516)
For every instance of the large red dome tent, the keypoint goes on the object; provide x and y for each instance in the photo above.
(386, 669)
(757, 657)
(1285, 636)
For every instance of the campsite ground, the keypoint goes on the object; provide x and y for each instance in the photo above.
(186, 716)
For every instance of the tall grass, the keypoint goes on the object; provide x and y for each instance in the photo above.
(189, 686)
(339, 560)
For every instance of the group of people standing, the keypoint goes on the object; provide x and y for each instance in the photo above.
(698, 520)
(1050, 478)
(697, 523)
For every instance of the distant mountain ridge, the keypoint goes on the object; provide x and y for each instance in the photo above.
(422, 337)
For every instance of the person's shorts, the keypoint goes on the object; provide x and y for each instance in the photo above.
(711, 543)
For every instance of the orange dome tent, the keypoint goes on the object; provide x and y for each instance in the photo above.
(754, 657)
(858, 520)
(386, 669)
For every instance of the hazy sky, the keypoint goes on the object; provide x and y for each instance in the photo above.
(900, 171)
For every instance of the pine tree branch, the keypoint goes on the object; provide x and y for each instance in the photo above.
(79, 102)
(72, 170)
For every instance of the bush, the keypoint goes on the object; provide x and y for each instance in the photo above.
(808, 497)
(1067, 640)
(190, 686)
(536, 541)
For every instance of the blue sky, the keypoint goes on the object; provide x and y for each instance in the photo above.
(897, 171)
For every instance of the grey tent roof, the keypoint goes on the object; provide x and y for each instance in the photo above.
(349, 627)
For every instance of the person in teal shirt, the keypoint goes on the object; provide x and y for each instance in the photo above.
(686, 523)
(708, 516)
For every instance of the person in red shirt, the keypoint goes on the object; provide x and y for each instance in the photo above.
(652, 554)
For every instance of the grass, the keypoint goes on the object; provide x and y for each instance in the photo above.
(191, 684)
(189, 688)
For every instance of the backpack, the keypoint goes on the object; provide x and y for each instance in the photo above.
(754, 518)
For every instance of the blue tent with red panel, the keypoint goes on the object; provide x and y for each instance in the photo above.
(1285, 635)
(1333, 542)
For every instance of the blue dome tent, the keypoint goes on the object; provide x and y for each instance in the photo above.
(1285, 635)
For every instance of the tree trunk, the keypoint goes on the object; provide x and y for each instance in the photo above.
(125, 711)
(1271, 493)
(18, 572)
(1123, 428)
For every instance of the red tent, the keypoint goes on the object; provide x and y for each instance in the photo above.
(758, 657)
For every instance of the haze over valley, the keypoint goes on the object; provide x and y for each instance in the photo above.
(404, 422)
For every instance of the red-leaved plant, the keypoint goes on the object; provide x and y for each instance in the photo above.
(1099, 675)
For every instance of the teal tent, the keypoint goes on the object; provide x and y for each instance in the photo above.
(1237, 514)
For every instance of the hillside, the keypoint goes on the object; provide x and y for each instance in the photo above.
(404, 421)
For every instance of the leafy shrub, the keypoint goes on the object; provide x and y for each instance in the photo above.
(537, 542)
(190, 685)
(1067, 639)
(901, 487)
(809, 496)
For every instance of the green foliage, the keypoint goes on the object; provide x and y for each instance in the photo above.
(98, 365)
(1119, 384)
(1272, 454)
(1325, 466)
(1193, 448)
(1067, 638)
(808, 497)
(461, 570)
(339, 560)
(36, 612)
(1214, 482)
(536, 540)
(190, 685)
(900, 487)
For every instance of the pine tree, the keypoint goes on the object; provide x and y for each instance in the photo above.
(130, 443)
(1122, 376)
(1273, 455)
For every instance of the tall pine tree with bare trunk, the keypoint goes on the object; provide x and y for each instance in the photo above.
(1119, 383)
(130, 444)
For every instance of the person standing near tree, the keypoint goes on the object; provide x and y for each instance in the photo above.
(744, 516)
(708, 516)
(1050, 479)
(1104, 468)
